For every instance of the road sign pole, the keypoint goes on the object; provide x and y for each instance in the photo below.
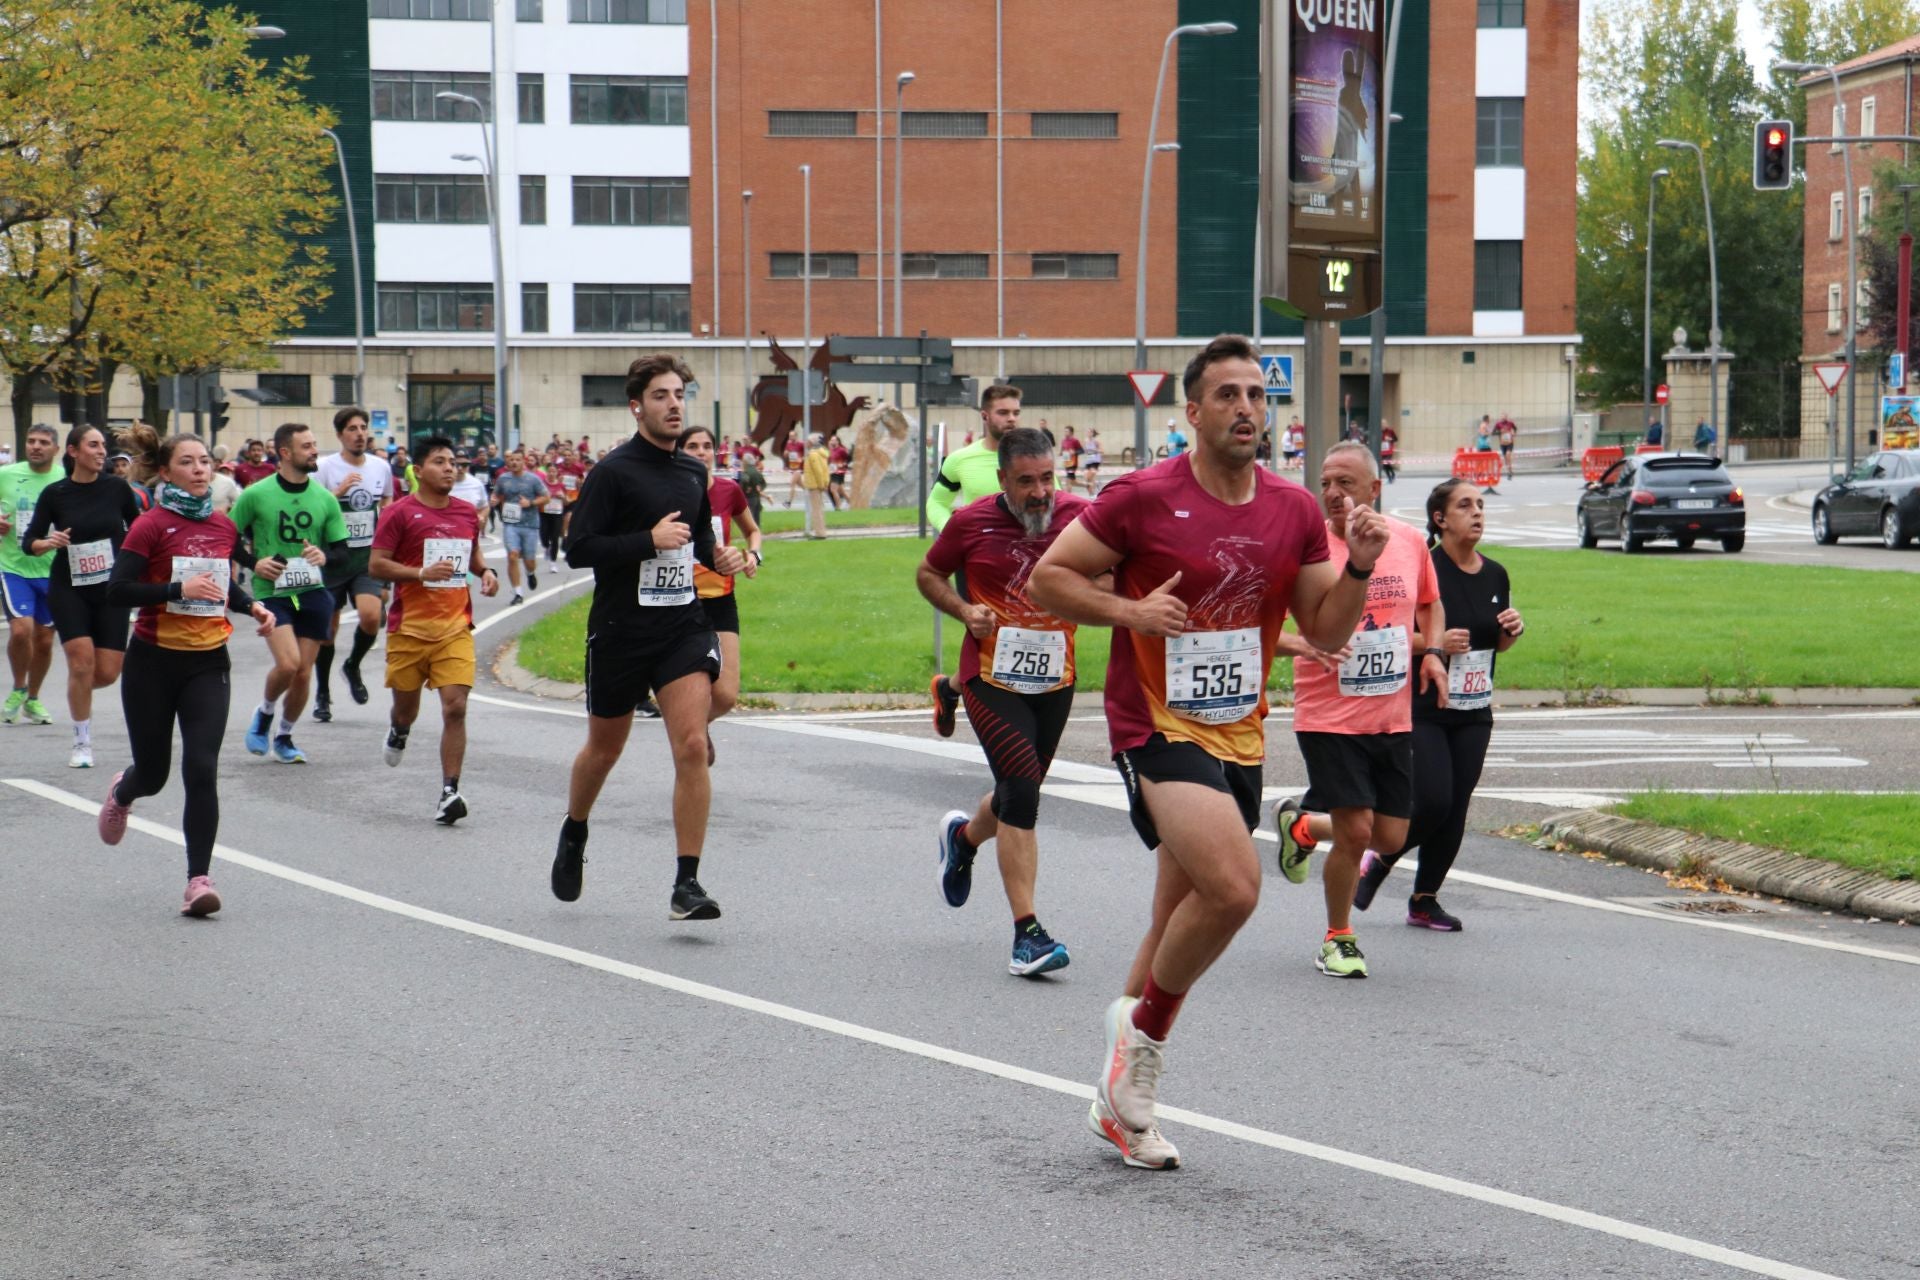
(1320, 395)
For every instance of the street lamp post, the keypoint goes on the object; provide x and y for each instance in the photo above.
(506, 431)
(359, 307)
(1904, 266)
(1646, 355)
(806, 306)
(900, 84)
(1847, 203)
(1140, 453)
(746, 310)
(1713, 277)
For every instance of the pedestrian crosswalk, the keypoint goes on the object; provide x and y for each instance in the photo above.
(1517, 528)
(1584, 747)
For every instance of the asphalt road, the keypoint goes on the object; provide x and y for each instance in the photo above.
(395, 1054)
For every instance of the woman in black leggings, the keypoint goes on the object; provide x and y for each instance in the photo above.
(176, 565)
(1450, 744)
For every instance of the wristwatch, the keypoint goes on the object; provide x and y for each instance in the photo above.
(1430, 651)
(1358, 575)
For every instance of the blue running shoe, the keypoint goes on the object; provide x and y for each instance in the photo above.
(257, 733)
(1034, 953)
(286, 753)
(956, 860)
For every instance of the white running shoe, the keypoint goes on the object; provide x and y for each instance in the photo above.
(1145, 1150)
(82, 757)
(1130, 1082)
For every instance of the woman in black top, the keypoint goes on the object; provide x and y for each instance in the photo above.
(83, 519)
(1450, 744)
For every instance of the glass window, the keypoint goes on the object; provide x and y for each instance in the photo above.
(1076, 124)
(1497, 132)
(533, 98)
(826, 266)
(456, 10)
(1865, 214)
(1496, 275)
(812, 124)
(657, 11)
(1836, 312)
(429, 197)
(630, 202)
(419, 308)
(945, 124)
(287, 388)
(1503, 13)
(1836, 216)
(533, 200)
(533, 308)
(531, 11)
(410, 95)
(1076, 266)
(1869, 116)
(603, 391)
(343, 388)
(632, 308)
(628, 99)
(943, 266)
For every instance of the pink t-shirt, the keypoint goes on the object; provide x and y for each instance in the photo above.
(1372, 692)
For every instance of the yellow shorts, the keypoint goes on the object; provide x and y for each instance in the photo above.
(412, 661)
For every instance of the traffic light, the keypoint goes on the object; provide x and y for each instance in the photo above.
(217, 405)
(1773, 155)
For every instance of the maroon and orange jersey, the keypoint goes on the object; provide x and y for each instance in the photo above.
(176, 549)
(416, 534)
(985, 542)
(727, 501)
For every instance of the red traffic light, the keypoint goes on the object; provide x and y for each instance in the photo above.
(1776, 136)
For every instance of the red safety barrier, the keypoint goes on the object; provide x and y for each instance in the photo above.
(1480, 468)
(1595, 462)
(1649, 448)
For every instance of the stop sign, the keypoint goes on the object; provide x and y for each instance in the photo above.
(1660, 394)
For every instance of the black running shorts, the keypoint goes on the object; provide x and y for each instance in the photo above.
(723, 612)
(1359, 771)
(1018, 731)
(82, 613)
(622, 673)
(309, 613)
(1160, 760)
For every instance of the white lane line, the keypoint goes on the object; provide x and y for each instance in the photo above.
(1547, 1209)
(509, 611)
(1064, 770)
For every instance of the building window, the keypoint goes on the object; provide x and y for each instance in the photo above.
(531, 11)
(456, 10)
(945, 124)
(632, 308)
(1862, 303)
(409, 95)
(1836, 216)
(1869, 116)
(630, 202)
(1076, 124)
(1466, 357)
(1503, 13)
(1836, 309)
(533, 200)
(343, 389)
(428, 308)
(1497, 132)
(812, 124)
(429, 197)
(1076, 266)
(533, 98)
(629, 99)
(1837, 129)
(603, 391)
(943, 266)
(1865, 213)
(1496, 275)
(672, 12)
(533, 308)
(287, 388)
(826, 266)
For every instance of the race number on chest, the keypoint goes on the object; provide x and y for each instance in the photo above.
(1378, 666)
(1214, 676)
(1028, 661)
(667, 578)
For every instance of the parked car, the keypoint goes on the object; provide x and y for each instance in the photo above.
(1881, 497)
(1682, 496)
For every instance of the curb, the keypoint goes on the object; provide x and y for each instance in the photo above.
(1751, 867)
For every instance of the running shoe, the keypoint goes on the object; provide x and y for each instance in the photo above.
(648, 709)
(258, 731)
(201, 899)
(10, 713)
(1034, 953)
(1374, 870)
(517, 599)
(1131, 1082)
(113, 814)
(286, 753)
(322, 708)
(396, 748)
(1427, 913)
(956, 863)
(533, 579)
(1295, 858)
(355, 685)
(452, 808)
(569, 863)
(37, 713)
(82, 757)
(690, 902)
(945, 703)
(1141, 1150)
(1340, 957)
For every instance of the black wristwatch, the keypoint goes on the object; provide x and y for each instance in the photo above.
(1435, 653)
(758, 559)
(1356, 575)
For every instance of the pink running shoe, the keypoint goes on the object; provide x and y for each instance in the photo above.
(201, 900)
(113, 814)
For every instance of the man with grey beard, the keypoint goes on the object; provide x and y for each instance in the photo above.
(1015, 675)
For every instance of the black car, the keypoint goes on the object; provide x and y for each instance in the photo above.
(1682, 496)
(1881, 498)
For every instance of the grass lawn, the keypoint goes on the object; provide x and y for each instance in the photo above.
(778, 519)
(843, 616)
(1872, 833)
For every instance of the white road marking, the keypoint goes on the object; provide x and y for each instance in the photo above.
(501, 614)
(1546, 1209)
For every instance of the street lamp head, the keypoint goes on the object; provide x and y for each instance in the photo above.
(1166, 146)
(1673, 144)
(1663, 173)
(746, 195)
(1217, 29)
(265, 33)
(806, 169)
(1801, 68)
(464, 157)
(903, 79)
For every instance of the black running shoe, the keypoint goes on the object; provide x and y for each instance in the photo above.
(690, 902)
(452, 808)
(946, 702)
(649, 710)
(355, 685)
(1374, 870)
(533, 579)
(569, 863)
(1427, 913)
(323, 708)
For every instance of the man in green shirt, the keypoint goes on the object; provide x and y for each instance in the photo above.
(293, 534)
(973, 471)
(23, 578)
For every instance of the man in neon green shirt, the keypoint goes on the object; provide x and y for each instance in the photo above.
(23, 578)
(972, 472)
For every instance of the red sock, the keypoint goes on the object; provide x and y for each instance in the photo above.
(1302, 832)
(1157, 1009)
(1336, 933)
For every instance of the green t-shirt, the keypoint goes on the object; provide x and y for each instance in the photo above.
(279, 521)
(20, 487)
(967, 475)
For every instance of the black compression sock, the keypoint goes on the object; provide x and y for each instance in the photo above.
(1026, 924)
(689, 870)
(323, 669)
(573, 829)
(362, 642)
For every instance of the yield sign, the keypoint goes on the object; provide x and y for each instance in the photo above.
(1830, 375)
(1146, 385)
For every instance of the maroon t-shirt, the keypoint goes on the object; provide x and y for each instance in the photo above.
(987, 542)
(727, 501)
(178, 548)
(407, 531)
